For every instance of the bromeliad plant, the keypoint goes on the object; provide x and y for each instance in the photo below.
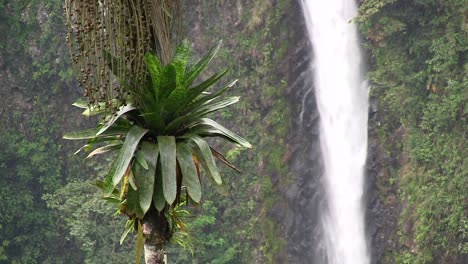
(160, 140)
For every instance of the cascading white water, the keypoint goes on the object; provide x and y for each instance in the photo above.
(342, 100)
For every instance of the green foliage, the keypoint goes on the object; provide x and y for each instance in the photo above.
(80, 211)
(29, 232)
(163, 140)
(203, 225)
(418, 50)
(36, 83)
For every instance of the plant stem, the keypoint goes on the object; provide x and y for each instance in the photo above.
(156, 233)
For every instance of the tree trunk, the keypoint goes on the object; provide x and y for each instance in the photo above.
(156, 233)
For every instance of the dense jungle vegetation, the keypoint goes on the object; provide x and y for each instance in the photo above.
(418, 62)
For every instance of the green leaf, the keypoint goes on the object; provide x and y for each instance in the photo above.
(115, 145)
(114, 195)
(96, 140)
(220, 157)
(81, 104)
(149, 100)
(131, 181)
(79, 135)
(194, 92)
(154, 121)
(141, 159)
(167, 150)
(129, 226)
(139, 243)
(168, 81)
(94, 110)
(100, 108)
(175, 100)
(192, 110)
(106, 185)
(113, 119)
(126, 153)
(203, 153)
(132, 205)
(201, 64)
(208, 127)
(189, 171)
(112, 200)
(211, 107)
(146, 178)
(153, 65)
(180, 60)
(158, 196)
(204, 99)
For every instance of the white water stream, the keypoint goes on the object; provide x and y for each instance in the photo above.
(342, 99)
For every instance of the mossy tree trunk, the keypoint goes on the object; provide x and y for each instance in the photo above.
(156, 233)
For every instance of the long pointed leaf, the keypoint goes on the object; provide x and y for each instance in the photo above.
(146, 177)
(129, 226)
(81, 104)
(168, 81)
(189, 172)
(175, 100)
(211, 107)
(203, 153)
(194, 92)
(100, 108)
(167, 150)
(139, 243)
(110, 147)
(201, 64)
(101, 185)
(131, 181)
(141, 159)
(113, 119)
(132, 205)
(107, 186)
(220, 157)
(193, 109)
(148, 101)
(158, 196)
(94, 110)
(154, 68)
(154, 120)
(180, 60)
(204, 99)
(208, 127)
(80, 135)
(126, 153)
(93, 141)
(206, 109)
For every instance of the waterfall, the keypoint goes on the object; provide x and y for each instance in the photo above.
(342, 100)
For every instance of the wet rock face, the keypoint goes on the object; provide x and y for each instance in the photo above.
(382, 204)
(304, 194)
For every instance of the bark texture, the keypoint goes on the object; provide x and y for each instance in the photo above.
(156, 233)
